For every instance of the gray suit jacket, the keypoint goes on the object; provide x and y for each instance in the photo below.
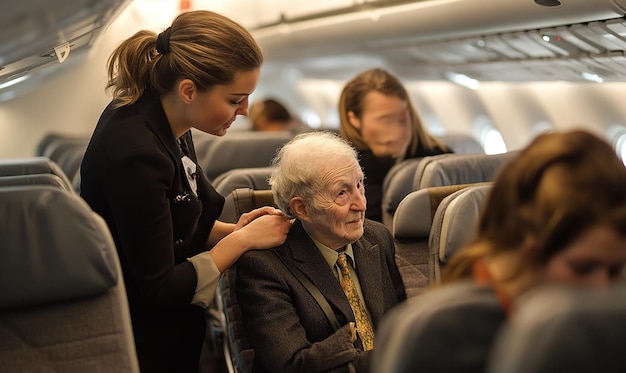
(287, 328)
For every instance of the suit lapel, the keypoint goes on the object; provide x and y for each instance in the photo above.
(310, 261)
(369, 269)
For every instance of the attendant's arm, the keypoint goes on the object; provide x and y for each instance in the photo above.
(259, 229)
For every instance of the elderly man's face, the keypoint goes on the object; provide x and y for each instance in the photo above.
(336, 218)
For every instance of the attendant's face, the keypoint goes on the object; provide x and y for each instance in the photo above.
(214, 111)
(336, 219)
(385, 124)
(595, 258)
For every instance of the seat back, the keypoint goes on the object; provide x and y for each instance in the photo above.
(564, 330)
(256, 178)
(398, 184)
(245, 149)
(447, 330)
(411, 229)
(460, 169)
(31, 166)
(48, 144)
(237, 350)
(243, 200)
(35, 179)
(454, 225)
(63, 304)
(461, 143)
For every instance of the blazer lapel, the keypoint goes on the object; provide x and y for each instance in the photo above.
(369, 262)
(310, 261)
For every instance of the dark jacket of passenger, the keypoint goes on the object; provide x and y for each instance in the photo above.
(287, 328)
(132, 175)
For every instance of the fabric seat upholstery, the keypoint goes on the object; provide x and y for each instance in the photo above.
(454, 225)
(63, 304)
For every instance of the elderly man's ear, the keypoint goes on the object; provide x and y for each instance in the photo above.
(300, 208)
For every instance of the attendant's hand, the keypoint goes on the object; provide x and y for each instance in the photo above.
(265, 231)
(247, 217)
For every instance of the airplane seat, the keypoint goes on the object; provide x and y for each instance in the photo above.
(63, 305)
(256, 178)
(398, 183)
(243, 149)
(558, 329)
(32, 165)
(454, 225)
(427, 333)
(461, 169)
(35, 179)
(464, 144)
(411, 228)
(238, 351)
(243, 200)
(51, 139)
(58, 147)
(201, 142)
(71, 160)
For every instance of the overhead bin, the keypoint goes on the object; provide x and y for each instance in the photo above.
(40, 33)
(430, 39)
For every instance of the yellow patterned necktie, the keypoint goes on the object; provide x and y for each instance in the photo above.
(363, 325)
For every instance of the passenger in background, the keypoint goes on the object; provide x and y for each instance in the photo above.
(269, 115)
(556, 214)
(376, 115)
(140, 174)
(319, 182)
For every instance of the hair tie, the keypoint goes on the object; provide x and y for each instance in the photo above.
(163, 42)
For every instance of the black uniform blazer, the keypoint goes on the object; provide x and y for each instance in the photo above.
(287, 329)
(132, 175)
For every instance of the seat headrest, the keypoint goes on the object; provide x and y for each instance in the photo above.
(461, 169)
(414, 216)
(565, 329)
(32, 165)
(254, 178)
(461, 143)
(454, 223)
(244, 149)
(54, 247)
(35, 179)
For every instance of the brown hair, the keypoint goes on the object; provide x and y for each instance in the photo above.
(271, 110)
(203, 46)
(559, 186)
(379, 80)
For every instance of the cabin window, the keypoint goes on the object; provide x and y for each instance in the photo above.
(311, 118)
(491, 140)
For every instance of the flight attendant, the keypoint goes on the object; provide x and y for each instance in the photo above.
(377, 117)
(140, 174)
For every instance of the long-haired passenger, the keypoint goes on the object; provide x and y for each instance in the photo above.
(555, 215)
(377, 116)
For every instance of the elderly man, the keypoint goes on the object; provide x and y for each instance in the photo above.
(313, 303)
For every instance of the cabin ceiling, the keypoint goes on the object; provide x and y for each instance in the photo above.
(516, 40)
(487, 40)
